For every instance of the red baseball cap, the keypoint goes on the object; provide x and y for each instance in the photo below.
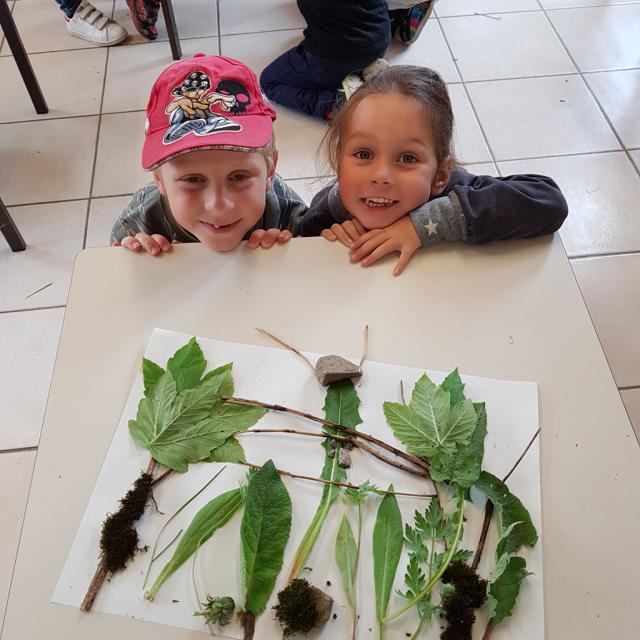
(205, 102)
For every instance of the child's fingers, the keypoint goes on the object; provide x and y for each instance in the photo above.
(162, 242)
(351, 229)
(365, 237)
(327, 234)
(370, 245)
(269, 238)
(255, 238)
(405, 256)
(131, 243)
(342, 235)
(116, 244)
(284, 237)
(379, 252)
(149, 244)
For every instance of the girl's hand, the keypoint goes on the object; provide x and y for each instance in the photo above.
(154, 245)
(400, 236)
(347, 232)
(267, 238)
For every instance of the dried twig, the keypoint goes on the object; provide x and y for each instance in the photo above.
(287, 346)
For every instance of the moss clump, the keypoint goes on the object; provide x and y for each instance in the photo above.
(301, 607)
(119, 538)
(469, 593)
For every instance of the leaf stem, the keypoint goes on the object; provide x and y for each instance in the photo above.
(445, 564)
(338, 427)
(487, 631)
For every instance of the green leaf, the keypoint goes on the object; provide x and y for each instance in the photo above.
(511, 511)
(214, 515)
(151, 373)
(460, 468)
(341, 404)
(187, 365)
(358, 494)
(454, 385)
(177, 429)
(341, 407)
(226, 388)
(476, 444)
(232, 418)
(230, 451)
(387, 547)
(264, 533)
(428, 424)
(153, 411)
(346, 554)
(504, 588)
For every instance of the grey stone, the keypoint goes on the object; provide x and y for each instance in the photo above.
(335, 368)
(344, 458)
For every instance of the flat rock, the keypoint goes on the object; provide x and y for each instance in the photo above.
(335, 368)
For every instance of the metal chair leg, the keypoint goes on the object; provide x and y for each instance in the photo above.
(172, 30)
(20, 56)
(10, 231)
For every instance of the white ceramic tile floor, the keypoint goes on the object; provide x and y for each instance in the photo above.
(16, 469)
(631, 399)
(88, 160)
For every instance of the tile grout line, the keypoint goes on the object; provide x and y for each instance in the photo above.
(218, 29)
(95, 152)
(466, 91)
(501, 13)
(590, 90)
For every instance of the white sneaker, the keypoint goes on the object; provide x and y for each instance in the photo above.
(91, 24)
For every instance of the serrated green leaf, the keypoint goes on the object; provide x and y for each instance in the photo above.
(428, 425)
(460, 467)
(476, 443)
(503, 590)
(264, 533)
(214, 515)
(462, 555)
(341, 404)
(501, 547)
(232, 418)
(454, 385)
(153, 412)
(226, 387)
(187, 365)
(387, 547)
(511, 511)
(230, 451)
(346, 558)
(151, 373)
(177, 429)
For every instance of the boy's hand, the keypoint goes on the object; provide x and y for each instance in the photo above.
(267, 238)
(400, 236)
(347, 232)
(154, 245)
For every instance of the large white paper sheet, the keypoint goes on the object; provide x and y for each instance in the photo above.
(277, 376)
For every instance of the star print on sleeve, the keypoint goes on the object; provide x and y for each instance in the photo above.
(431, 227)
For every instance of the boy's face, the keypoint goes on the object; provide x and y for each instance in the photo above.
(215, 194)
(388, 164)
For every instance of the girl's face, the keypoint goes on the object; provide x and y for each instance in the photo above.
(388, 165)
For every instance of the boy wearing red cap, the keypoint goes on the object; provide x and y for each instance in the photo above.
(209, 143)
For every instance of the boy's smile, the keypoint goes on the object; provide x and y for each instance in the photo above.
(216, 194)
(388, 164)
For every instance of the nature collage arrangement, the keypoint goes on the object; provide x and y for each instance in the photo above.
(188, 416)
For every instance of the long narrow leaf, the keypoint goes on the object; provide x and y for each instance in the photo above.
(346, 554)
(387, 547)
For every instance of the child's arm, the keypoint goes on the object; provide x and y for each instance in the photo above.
(147, 225)
(474, 209)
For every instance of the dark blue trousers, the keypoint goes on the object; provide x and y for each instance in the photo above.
(68, 6)
(302, 81)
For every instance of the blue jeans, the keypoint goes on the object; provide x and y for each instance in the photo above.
(302, 81)
(68, 6)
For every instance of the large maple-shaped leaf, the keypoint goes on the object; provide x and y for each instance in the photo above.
(429, 424)
(177, 428)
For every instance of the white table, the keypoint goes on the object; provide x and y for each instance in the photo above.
(510, 311)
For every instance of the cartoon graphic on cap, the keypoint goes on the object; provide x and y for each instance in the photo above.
(191, 109)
